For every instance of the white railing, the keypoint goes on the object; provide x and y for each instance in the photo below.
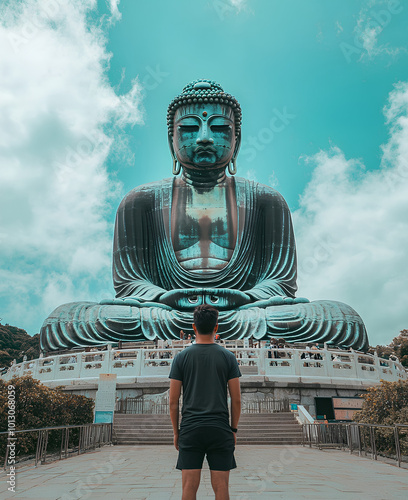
(303, 416)
(291, 364)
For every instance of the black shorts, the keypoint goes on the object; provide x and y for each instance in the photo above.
(215, 442)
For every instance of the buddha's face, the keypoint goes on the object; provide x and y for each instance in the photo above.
(204, 135)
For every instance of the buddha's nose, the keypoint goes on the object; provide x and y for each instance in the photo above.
(204, 135)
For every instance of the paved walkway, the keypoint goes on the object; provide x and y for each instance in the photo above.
(147, 472)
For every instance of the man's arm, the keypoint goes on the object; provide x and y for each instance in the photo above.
(174, 397)
(235, 393)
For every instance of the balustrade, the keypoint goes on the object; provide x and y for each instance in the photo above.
(276, 363)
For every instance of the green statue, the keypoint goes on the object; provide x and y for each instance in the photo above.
(204, 237)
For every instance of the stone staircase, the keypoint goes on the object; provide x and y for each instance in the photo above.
(259, 429)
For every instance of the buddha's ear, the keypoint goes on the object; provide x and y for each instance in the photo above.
(237, 146)
(176, 168)
(170, 139)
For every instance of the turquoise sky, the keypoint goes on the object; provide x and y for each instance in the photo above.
(323, 86)
(272, 56)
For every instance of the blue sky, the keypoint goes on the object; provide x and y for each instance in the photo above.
(84, 88)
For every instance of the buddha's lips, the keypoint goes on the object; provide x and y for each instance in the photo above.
(204, 149)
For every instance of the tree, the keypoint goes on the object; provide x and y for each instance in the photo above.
(398, 347)
(15, 343)
(385, 404)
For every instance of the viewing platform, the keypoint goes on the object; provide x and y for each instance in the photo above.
(314, 378)
(276, 364)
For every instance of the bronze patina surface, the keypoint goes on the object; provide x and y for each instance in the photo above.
(204, 237)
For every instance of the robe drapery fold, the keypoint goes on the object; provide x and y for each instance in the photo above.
(263, 263)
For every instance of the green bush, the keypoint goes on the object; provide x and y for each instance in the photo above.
(38, 406)
(386, 404)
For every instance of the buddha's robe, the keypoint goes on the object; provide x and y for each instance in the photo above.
(145, 267)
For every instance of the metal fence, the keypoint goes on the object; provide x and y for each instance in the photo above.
(372, 440)
(58, 442)
(267, 405)
(141, 405)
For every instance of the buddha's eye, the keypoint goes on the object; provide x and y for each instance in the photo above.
(193, 299)
(188, 129)
(214, 299)
(221, 128)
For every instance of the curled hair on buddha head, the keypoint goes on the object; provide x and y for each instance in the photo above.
(204, 91)
(205, 319)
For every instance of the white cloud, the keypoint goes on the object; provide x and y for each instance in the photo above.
(238, 4)
(59, 120)
(114, 9)
(352, 229)
(374, 18)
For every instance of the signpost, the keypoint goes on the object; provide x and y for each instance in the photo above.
(105, 399)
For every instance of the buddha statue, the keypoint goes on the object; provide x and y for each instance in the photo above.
(199, 237)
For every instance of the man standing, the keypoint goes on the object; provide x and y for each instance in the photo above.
(204, 370)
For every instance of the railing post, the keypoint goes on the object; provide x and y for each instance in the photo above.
(377, 366)
(80, 365)
(328, 363)
(296, 362)
(7, 453)
(37, 450)
(349, 437)
(372, 442)
(359, 440)
(79, 441)
(318, 436)
(261, 361)
(44, 450)
(110, 356)
(397, 445)
(36, 369)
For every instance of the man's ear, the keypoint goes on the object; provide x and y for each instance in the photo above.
(194, 328)
(216, 328)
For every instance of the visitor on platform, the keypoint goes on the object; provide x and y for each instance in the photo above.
(204, 371)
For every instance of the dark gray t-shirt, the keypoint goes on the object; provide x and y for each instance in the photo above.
(204, 370)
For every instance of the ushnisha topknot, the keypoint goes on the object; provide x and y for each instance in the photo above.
(203, 91)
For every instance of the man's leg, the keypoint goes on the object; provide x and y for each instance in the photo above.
(190, 483)
(219, 482)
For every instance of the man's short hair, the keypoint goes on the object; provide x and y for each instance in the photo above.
(205, 319)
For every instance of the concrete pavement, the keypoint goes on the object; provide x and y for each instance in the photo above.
(264, 472)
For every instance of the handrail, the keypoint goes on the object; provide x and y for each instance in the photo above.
(49, 428)
(304, 416)
(90, 436)
(349, 436)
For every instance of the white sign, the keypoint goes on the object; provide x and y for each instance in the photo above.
(106, 394)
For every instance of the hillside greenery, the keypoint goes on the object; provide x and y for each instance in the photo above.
(15, 343)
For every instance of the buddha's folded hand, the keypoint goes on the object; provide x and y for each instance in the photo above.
(221, 298)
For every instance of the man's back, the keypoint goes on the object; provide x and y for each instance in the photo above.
(204, 370)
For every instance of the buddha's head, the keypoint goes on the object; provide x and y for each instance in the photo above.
(204, 126)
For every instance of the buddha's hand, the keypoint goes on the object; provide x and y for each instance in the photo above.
(221, 298)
